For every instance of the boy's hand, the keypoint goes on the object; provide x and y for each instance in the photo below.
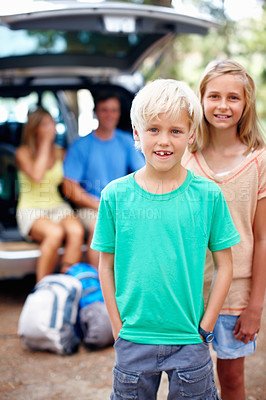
(116, 331)
(248, 324)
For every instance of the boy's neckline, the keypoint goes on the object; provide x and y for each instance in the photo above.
(167, 195)
(159, 184)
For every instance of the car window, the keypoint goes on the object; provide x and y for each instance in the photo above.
(63, 42)
(13, 115)
(79, 104)
(86, 119)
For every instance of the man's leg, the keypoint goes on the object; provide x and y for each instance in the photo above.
(88, 218)
(93, 255)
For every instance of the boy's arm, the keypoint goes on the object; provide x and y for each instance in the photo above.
(106, 274)
(224, 265)
(248, 324)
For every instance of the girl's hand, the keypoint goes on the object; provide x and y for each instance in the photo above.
(248, 324)
(46, 130)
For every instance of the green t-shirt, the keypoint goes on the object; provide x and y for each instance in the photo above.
(159, 243)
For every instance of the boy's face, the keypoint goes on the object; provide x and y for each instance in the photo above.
(163, 142)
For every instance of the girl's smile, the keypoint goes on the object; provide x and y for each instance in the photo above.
(222, 116)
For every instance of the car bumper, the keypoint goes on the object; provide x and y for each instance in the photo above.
(20, 258)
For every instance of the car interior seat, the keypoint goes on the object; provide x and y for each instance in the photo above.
(9, 191)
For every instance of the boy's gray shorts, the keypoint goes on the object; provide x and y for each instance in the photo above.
(138, 370)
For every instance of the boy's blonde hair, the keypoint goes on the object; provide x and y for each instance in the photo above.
(248, 126)
(165, 96)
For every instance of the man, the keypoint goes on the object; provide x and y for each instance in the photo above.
(95, 160)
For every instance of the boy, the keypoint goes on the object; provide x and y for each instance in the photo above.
(153, 230)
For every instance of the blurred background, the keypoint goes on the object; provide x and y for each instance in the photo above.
(240, 34)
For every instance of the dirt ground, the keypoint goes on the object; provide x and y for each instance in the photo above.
(26, 375)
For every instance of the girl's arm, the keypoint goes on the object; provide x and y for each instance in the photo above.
(35, 168)
(248, 323)
(224, 265)
(106, 274)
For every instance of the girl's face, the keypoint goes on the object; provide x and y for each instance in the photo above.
(224, 102)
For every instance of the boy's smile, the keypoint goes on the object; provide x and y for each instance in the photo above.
(164, 141)
(163, 153)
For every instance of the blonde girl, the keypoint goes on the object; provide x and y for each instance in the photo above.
(229, 149)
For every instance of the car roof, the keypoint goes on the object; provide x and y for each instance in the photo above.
(95, 39)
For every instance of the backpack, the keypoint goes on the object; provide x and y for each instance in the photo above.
(49, 315)
(94, 326)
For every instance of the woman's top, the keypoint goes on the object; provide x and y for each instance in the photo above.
(44, 194)
(242, 188)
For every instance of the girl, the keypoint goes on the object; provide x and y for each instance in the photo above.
(42, 214)
(230, 150)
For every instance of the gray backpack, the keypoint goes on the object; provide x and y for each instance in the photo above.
(93, 324)
(49, 315)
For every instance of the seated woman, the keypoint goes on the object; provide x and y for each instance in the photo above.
(42, 214)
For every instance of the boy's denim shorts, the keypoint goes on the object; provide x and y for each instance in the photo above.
(225, 343)
(138, 369)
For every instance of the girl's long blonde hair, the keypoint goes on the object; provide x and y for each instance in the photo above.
(248, 126)
(30, 128)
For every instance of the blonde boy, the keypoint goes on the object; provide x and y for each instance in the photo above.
(153, 230)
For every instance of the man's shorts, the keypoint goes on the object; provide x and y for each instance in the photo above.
(225, 343)
(88, 217)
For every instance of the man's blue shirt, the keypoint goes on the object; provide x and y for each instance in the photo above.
(93, 162)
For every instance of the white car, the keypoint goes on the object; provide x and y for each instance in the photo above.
(59, 57)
